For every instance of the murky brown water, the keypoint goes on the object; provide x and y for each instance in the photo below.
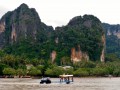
(78, 84)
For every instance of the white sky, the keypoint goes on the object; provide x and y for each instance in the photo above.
(59, 12)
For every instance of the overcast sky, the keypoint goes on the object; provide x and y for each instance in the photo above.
(59, 12)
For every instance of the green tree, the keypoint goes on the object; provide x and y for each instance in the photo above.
(9, 60)
(49, 72)
(111, 57)
(99, 72)
(69, 71)
(35, 62)
(55, 71)
(2, 66)
(41, 68)
(9, 71)
(84, 64)
(21, 72)
(33, 71)
(81, 72)
(116, 72)
(66, 61)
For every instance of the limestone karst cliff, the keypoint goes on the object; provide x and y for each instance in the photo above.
(78, 55)
(112, 34)
(22, 23)
(22, 33)
(112, 29)
(84, 37)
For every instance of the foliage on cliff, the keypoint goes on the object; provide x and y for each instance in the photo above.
(112, 38)
(26, 36)
(24, 24)
(25, 40)
(82, 31)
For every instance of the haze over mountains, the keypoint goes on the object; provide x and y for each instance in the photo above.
(83, 38)
(112, 38)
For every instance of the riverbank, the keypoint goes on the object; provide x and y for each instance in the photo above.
(78, 84)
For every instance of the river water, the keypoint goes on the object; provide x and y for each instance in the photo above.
(78, 84)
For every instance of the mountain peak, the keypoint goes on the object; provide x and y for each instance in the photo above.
(20, 24)
(81, 19)
(23, 5)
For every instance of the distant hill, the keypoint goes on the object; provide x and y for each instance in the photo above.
(22, 23)
(23, 34)
(83, 37)
(112, 33)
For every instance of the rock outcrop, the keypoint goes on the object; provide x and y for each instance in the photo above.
(2, 26)
(81, 39)
(102, 58)
(112, 35)
(112, 29)
(83, 36)
(78, 55)
(22, 23)
(53, 56)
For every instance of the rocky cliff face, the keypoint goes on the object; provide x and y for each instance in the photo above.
(112, 29)
(2, 30)
(81, 39)
(22, 23)
(84, 36)
(2, 26)
(102, 57)
(78, 55)
(112, 34)
(53, 56)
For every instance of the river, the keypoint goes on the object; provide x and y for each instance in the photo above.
(78, 84)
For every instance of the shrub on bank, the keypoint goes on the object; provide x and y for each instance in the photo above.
(69, 71)
(84, 64)
(21, 72)
(33, 71)
(99, 72)
(54, 72)
(81, 72)
(9, 71)
(116, 72)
